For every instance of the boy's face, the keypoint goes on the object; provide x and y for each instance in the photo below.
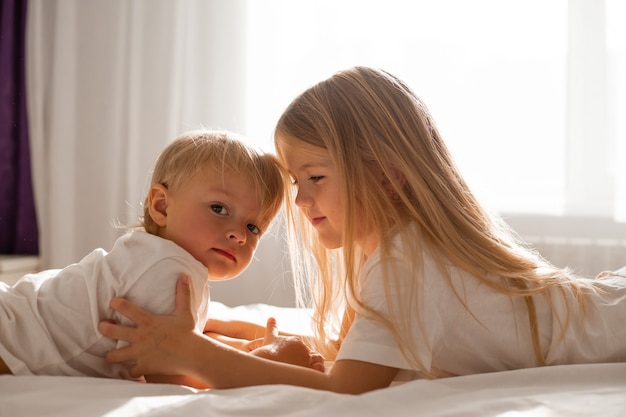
(213, 216)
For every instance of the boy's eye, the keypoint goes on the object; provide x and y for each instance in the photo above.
(219, 209)
(253, 229)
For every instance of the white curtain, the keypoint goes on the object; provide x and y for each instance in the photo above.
(110, 83)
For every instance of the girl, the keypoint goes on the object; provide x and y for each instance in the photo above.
(425, 281)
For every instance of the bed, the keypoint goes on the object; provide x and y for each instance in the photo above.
(572, 390)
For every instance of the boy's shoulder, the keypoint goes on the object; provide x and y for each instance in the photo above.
(138, 252)
(141, 243)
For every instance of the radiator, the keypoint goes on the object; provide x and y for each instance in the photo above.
(585, 256)
(586, 245)
(13, 267)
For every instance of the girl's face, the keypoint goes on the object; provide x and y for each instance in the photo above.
(319, 197)
(213, 216)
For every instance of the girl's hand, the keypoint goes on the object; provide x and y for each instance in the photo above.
(157, 343)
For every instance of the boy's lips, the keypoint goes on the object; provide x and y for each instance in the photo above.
(226, 253)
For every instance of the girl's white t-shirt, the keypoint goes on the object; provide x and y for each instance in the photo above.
(49, 320)
(496, 335)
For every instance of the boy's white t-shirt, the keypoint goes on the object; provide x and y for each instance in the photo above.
(49, 320)
(496, 336)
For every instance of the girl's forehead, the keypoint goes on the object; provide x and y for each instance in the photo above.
(301, 149)
(299, 159)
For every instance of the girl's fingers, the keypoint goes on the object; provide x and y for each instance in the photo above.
(183, 297)
(115, 331)
(135, 314)
(120, 355)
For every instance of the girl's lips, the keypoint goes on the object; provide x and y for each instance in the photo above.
(226, 254)
(317, 220)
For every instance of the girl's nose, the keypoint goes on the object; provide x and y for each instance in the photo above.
(302, 199)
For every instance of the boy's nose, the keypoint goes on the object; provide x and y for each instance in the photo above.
(238, 234)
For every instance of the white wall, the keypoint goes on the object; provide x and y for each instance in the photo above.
(267, 280)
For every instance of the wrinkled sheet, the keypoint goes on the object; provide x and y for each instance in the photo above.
(572, 390)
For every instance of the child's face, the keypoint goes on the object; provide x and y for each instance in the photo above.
(213, 216)
(319, 194)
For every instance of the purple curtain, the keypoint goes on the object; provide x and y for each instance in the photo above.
(18, 224)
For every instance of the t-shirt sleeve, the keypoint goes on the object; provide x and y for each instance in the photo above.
(371, 340)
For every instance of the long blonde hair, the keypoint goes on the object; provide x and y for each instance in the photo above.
(194, 150)
(370, 121)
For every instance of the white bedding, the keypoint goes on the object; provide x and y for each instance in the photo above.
(573, 390)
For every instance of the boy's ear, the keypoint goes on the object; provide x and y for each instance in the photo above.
(158, 199)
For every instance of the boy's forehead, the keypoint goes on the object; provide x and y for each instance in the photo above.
(222, 172)
(227, 176)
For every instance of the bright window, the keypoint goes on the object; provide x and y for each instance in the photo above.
(495, 74)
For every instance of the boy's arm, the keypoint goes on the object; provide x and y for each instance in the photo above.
(177, 380)
(234, 329)
(237, 329)
(241, 344)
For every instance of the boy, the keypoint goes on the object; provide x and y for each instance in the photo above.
(210, 200)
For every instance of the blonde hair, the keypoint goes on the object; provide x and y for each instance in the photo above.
(193, 151)
(370, 121)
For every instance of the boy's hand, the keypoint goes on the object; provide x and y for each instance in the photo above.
(287, 349)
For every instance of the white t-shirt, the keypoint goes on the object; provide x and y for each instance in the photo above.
(497, 337)
(49, 320)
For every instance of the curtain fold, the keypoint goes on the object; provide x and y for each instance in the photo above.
(18, 224)
(110, 83)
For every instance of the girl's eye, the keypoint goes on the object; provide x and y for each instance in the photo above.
(219, 209)
(253, 229)
(312, 178)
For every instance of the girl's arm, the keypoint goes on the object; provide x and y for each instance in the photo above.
(169, 345)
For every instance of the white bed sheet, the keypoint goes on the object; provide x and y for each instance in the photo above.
(573, 390)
